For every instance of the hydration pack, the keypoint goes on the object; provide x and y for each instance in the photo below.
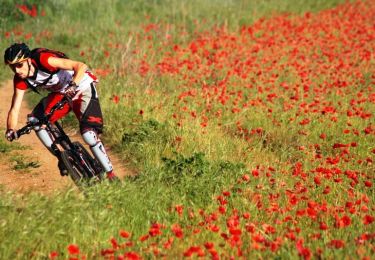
(35, 56)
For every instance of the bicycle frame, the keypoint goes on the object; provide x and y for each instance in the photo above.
(59, 137)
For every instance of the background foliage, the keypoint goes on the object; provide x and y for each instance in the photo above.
(248, 124)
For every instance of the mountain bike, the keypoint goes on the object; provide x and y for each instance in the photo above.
(81, 166)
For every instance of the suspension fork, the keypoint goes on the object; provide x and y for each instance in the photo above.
(55, 140)
(60, 136)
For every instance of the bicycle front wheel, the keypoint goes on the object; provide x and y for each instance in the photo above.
(94, 164)
(76, 170)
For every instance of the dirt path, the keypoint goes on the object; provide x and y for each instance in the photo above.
(45, 178)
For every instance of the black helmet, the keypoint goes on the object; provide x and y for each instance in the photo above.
(16, 53)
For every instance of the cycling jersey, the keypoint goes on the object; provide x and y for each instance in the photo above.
(50, 78)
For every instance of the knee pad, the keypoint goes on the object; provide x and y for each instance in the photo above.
(90, 138)
(97, 149)
(34, 120)
(41, 133)
(44, 137)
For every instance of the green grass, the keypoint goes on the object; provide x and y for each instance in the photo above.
(22, 163)
(85, 30)
(183, 165)
(5, 147)
(12, 153)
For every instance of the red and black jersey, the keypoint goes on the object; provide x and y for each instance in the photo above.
(40, 57)
(46, 76)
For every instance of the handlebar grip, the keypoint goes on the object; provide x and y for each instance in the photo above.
(24, 130)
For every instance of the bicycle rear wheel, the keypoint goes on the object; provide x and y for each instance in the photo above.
(76, 170)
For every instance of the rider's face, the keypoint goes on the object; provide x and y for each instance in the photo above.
(21, 69)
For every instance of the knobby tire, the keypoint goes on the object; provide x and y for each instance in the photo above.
(90, 160)
(75, 170)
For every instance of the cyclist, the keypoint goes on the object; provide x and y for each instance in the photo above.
(55, 72)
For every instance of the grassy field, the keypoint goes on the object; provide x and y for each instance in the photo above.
(250, 125)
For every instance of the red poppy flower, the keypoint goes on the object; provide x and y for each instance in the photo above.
(124, 234)
(337, 243)
(367, 220)
(73, 249)
(177, 230)
(53, 255)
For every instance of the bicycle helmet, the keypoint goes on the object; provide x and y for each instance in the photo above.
(16, 53)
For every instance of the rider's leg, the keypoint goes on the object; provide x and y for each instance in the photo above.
(97, 148)
(45, 138)
(87, 109)
(43, 107)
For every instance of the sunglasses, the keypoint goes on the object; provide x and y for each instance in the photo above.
(16, 65)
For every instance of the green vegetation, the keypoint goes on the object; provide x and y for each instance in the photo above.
(21, 163)
(279, 144)
(4, 146)
(90, 25)
(12, 151)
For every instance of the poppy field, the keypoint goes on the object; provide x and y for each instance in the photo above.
(248, 138)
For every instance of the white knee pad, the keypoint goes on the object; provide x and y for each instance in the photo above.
(42, 133)
(97, 149)
(90, 138)
(45, 138)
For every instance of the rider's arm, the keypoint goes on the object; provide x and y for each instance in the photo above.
(78, 67)
(15, 108)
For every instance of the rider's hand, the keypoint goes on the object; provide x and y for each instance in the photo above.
(11, 134)
(71, 90)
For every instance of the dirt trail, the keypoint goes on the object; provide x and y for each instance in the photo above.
(45, 178)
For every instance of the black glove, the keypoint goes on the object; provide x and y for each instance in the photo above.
(10, 135)
(71, 90)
